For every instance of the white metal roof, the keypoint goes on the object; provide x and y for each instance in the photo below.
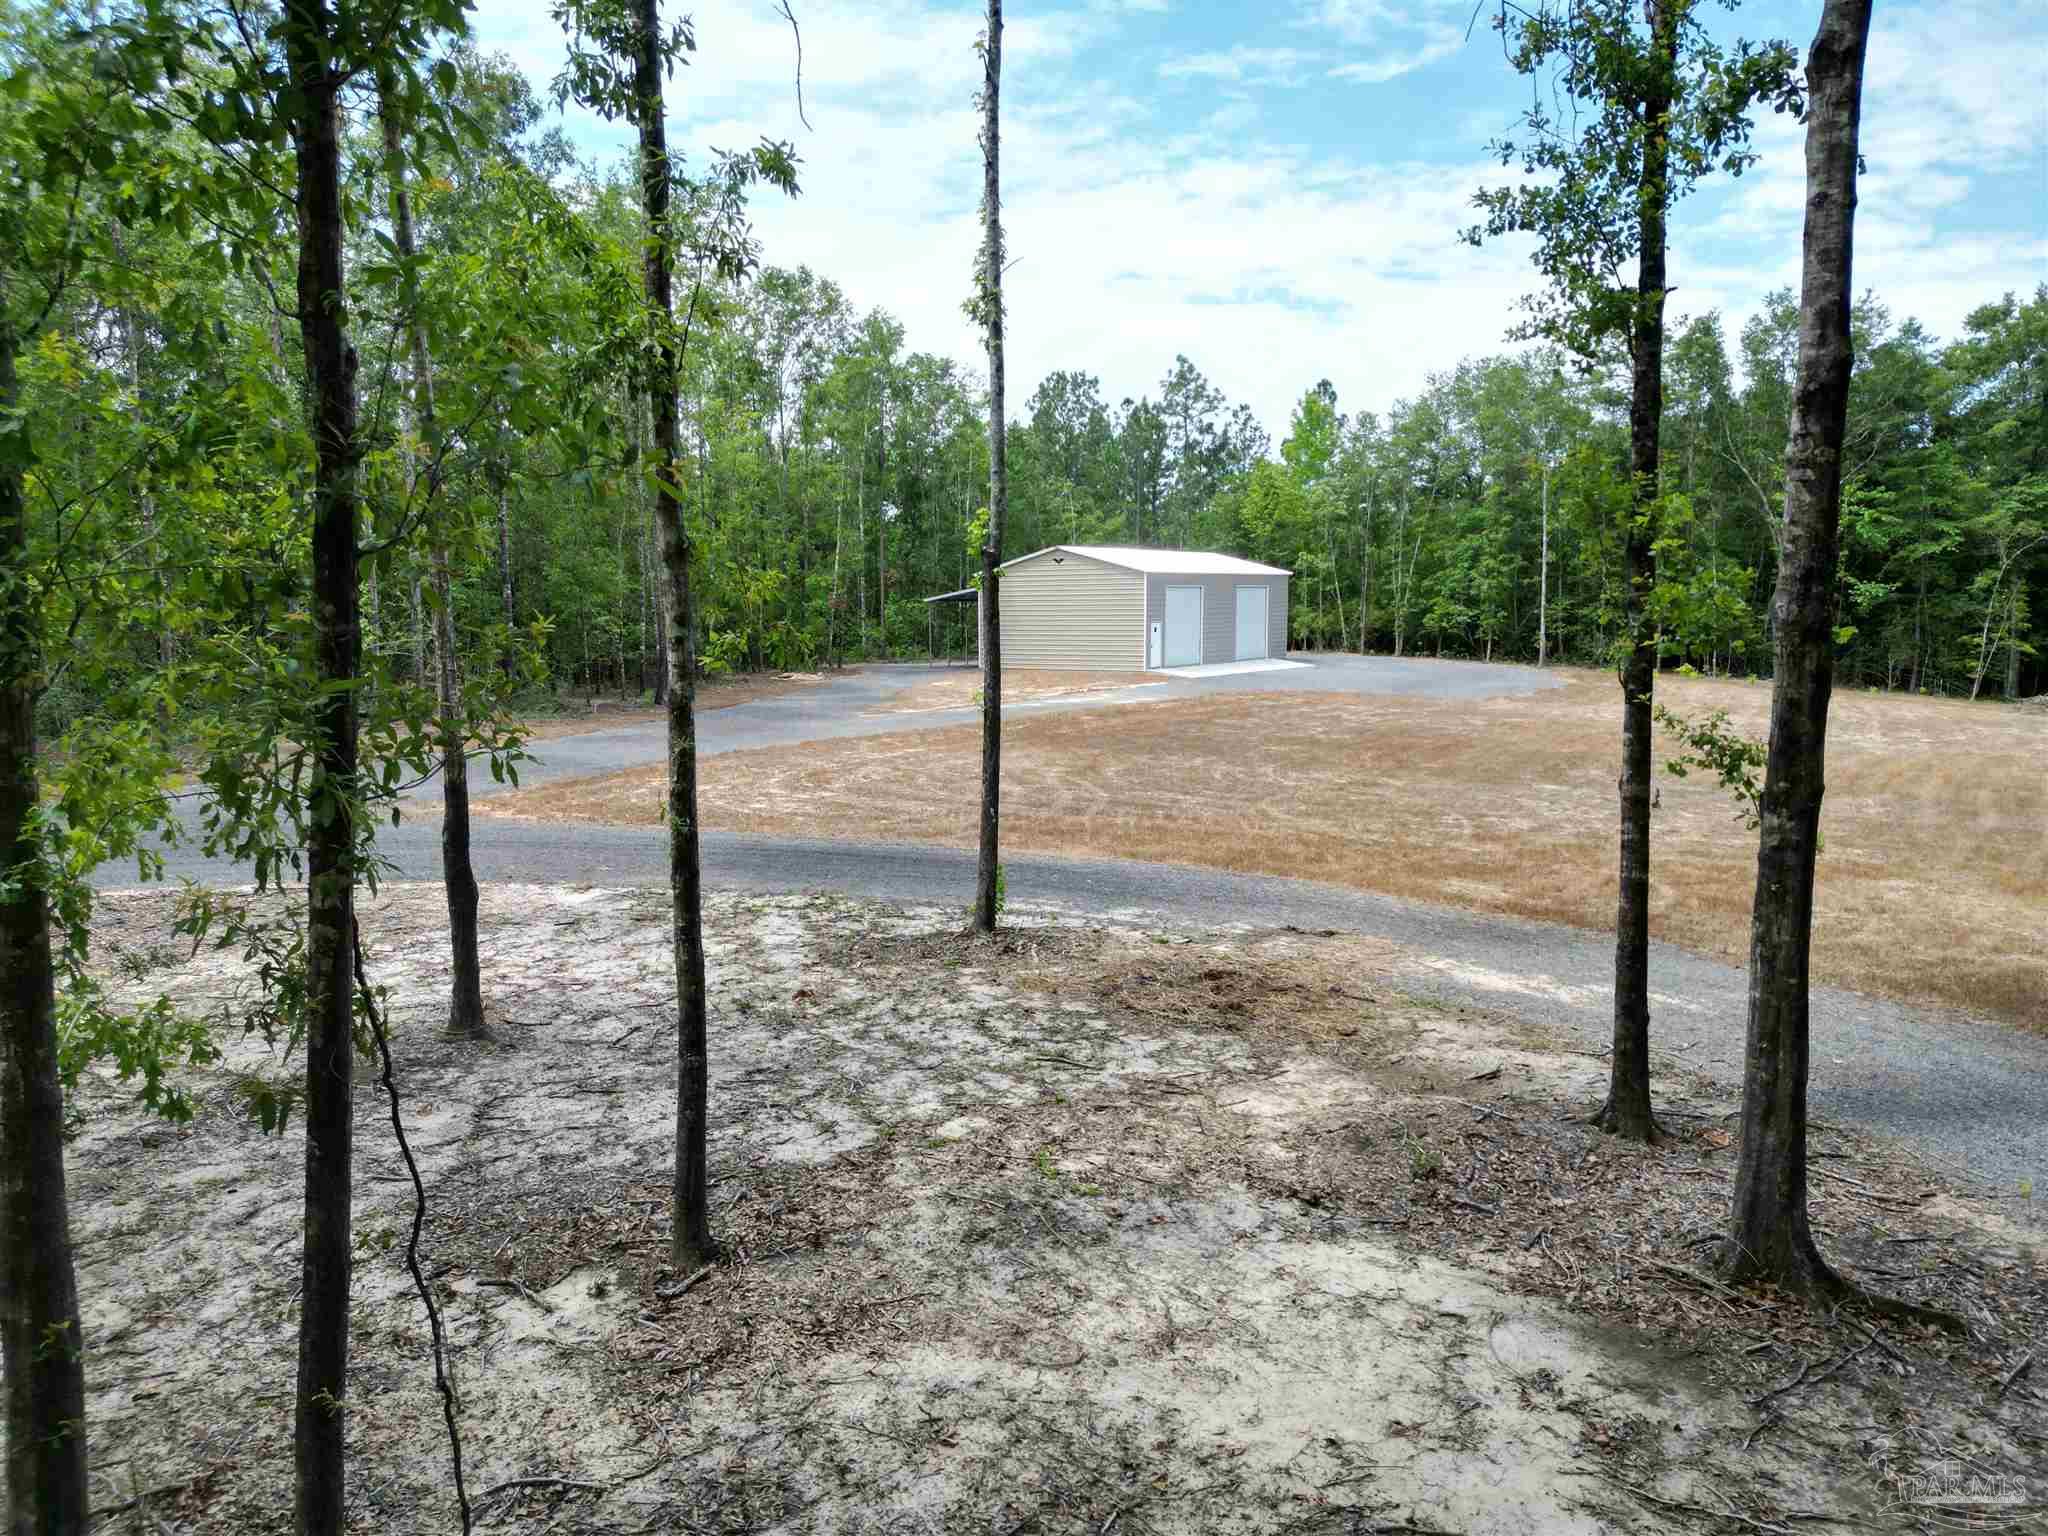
(1166, 562)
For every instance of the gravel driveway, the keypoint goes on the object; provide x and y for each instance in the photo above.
(1970, 1095)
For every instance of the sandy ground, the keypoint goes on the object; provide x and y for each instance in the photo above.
(712, 693)
(1088, 1229)
(1933, 887)
(1023, 685)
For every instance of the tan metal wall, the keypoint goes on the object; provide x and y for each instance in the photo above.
(1079, 614)
(1219, 611)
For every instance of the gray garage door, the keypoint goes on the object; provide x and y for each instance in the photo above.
(1253, 637)
(1183, 626)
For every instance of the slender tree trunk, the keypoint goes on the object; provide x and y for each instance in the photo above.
(41, 1344)
(145, 500)
(1543, 579)
(860, 518)
(988, 869)
(318, 1433)
(1365, 585)
(1919, 619)
(832, 604)
(690, 1242)
(505, 563)
(1768, 1233)
(420, 644)
(465, 998)
(1400, 593)
(637, 408)
(2012, 641)
(1627, 1110)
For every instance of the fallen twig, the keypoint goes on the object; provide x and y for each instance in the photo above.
(681, 1287)
(1681, 1507)
(517, 1483)
(1879, 1340)
(108, 1511)
(539, 1302)
(1801, 1379)
(1704, 1282)
(2013, 1375)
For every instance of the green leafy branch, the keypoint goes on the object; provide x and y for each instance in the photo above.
(1713, 746)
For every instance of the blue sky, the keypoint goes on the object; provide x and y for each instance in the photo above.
(1276, 189)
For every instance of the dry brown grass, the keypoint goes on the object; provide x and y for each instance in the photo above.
(960, 690)
(1933, 887)
(712, 693)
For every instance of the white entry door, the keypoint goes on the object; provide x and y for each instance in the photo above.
(1253, 637)
(1183, 626)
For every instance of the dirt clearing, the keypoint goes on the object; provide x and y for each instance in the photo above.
(1933, 887)
(712, 693)
(1025, 685)
(1082, 1230)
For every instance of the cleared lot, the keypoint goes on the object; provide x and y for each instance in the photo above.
(1089, 1229)
(1025, 685)
(1934, 885)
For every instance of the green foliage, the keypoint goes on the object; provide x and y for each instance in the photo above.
(1713, 746)
(1601, 64)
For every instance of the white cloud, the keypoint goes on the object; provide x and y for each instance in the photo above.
(1387, 66)
(1252, 66)
(1942, 111)
(1393, 40)
(1142, 226)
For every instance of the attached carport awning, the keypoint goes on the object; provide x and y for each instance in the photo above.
(932, 625)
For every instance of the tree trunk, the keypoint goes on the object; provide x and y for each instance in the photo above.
(465, 999)
(40, 1341)
(505, 565)
(317, 1441)
(1543, 579)
(860, 519)
(2012, 641)
(1627, 1110)
(145, 500)
(1768, 1234)
(690, 1242)
(420, 644)
(988, 869)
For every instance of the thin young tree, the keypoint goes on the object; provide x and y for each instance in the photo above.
(1651, 108)
(1769, 1237)
(39, 1322)
(41, 1343)
(619, 57)
(316, 64)
(690, 1242)
(988, 308)
(465, 1000)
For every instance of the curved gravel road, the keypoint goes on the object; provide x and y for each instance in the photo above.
(1969, 1095)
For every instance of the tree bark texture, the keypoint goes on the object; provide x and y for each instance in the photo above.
(690, 1242)
(1627, 1110)
(40, 1342)
(988, 867)
(465, 1000)
(1768, 1234)
(330, 849)
(501, 476)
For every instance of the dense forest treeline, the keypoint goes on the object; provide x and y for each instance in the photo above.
(834, 476)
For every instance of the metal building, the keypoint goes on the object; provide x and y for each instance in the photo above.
(1108, 608)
